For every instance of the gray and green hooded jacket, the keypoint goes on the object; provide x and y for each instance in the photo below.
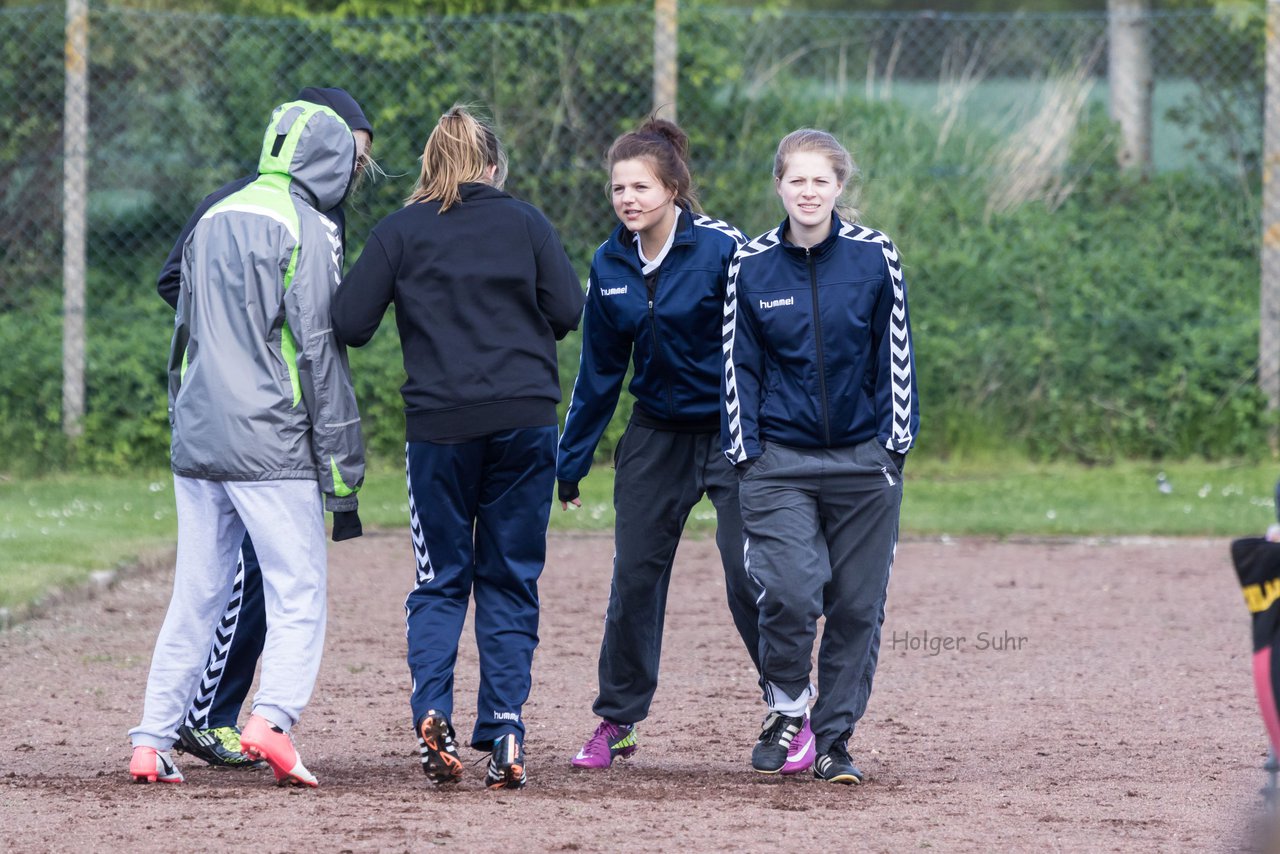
(259, 389)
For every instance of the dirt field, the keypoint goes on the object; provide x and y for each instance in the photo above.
(1100, 700)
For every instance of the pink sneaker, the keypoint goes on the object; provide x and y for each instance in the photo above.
(801, 753)
(149, 765)
(261, 740)
(610, 741)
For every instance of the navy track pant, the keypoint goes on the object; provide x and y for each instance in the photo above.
(237, 645)
(478, 516)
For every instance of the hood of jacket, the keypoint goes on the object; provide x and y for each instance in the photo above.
(341, 102)
(313, 148)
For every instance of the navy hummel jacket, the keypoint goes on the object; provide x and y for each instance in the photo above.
(672, 337)
(817, 345)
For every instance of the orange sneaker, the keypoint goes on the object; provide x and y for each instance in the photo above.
(261, 740)
(149, 765)
(440, 760)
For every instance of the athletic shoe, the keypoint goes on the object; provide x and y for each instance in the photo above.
(440, 760)
(506, 764)
(769, 756)
(263, 740)
(149, 765)
(219, 747)
(801, 753)
(835, 766)
(609, 742)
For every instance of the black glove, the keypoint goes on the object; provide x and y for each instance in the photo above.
(346, 526)
(745, 466)
(899, 460)
(567, 490)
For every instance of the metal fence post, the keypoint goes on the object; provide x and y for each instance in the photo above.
(75, 132)
(1269, 320)
(1130, 80)
(665, 50)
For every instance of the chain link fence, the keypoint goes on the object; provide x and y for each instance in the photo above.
(178, 101)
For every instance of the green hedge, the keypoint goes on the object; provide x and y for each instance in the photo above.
(1123, 323)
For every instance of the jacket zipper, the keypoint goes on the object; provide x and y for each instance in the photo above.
(657, 347)
(817, 331)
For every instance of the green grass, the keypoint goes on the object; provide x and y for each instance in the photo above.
(54, 531)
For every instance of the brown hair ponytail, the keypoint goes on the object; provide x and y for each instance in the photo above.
(665, 147)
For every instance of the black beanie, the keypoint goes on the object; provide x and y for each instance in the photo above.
(341, 103)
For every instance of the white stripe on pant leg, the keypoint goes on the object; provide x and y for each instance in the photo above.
(285, 519)
(224, 635)
(425, 571)
(209, 533)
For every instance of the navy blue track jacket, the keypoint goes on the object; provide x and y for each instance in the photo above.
(817, 345)
(671, 337)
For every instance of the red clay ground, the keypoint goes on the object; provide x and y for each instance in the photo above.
(1124, 721)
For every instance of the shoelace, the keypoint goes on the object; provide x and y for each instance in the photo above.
(840, 752)
(604, 734)
(229, 738)
(775, 729)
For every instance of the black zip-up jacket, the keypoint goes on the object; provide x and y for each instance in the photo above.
(482, 293)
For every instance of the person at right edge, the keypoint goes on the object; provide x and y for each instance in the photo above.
(211, 730)
(819, 411)
(483, 289)
(655, 299)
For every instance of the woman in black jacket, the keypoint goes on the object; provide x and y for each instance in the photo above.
(483, 290)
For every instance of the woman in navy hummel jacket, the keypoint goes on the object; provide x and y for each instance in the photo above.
(483, 290)
(820, 410)
(654, 300)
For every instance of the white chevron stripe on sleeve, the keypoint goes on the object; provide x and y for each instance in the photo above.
(737, 452)
(900, 340)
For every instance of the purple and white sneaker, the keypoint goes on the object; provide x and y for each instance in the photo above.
(610, 741)
(802, 750)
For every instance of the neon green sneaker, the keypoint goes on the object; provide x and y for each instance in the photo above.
(219, 747)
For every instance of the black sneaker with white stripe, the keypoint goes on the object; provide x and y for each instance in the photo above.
(506, 764)
(770, 752)
(436, 749)
(835, 766)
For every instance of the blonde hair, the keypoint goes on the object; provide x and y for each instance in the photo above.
(460, 150)
(366, 167)
(821, 142)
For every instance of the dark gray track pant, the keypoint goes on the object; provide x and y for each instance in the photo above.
(821, 528)
(660, 476)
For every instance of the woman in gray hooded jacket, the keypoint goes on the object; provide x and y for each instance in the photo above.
(266, 433)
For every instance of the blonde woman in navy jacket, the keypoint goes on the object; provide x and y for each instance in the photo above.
(820, 410)
(654, 301)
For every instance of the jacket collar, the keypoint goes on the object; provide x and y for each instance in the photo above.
(819, 249)
(622, 243)
(473, 190)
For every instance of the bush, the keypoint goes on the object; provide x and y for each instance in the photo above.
(1121, 323)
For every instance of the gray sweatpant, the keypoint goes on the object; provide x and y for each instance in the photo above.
(285, 519)
(661, 475)
(821, 528)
